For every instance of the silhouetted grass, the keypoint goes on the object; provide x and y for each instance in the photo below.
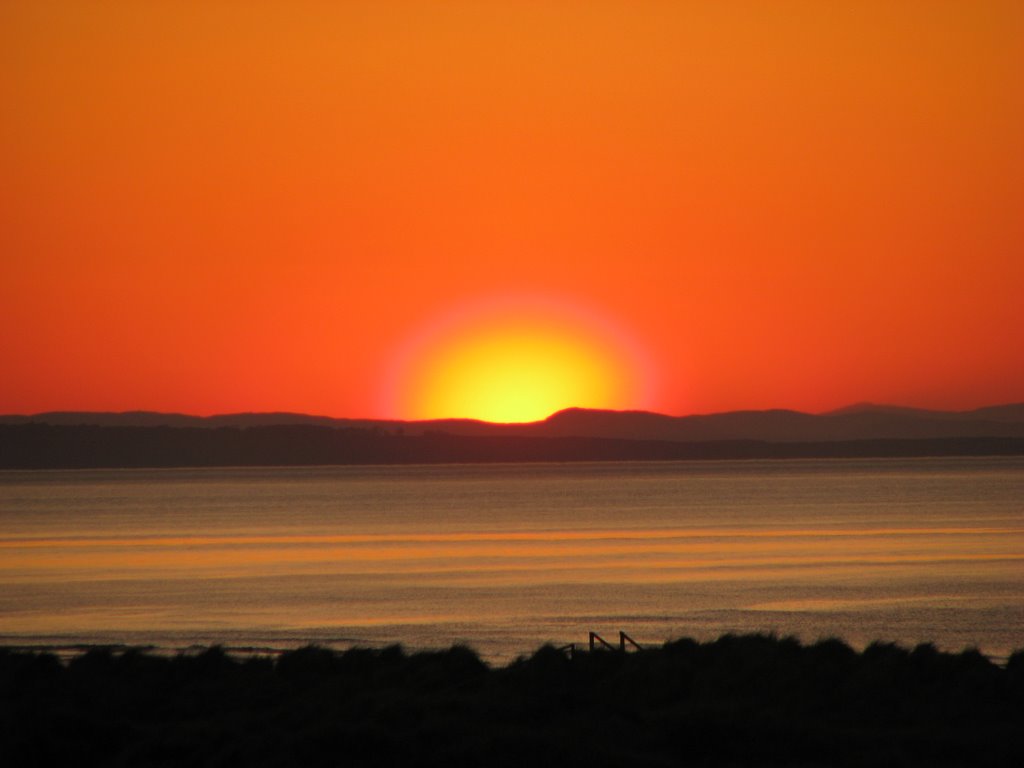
(737, 701)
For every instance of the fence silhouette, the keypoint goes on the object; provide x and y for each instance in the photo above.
(598, 643)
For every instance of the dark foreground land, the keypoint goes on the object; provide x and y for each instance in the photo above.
(738, 701)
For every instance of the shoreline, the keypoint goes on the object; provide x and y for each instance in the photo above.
(69, 651)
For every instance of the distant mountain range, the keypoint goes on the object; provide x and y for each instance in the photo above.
(142, 439)
(864, 421)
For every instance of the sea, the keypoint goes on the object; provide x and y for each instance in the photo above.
(507, 557)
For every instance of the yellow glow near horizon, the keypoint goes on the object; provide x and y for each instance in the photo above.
(518, 373)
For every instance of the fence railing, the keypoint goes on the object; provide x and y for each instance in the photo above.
(598, 643)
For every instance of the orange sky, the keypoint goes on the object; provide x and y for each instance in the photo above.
(229, 206)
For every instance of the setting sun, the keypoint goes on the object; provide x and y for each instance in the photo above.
(513, 365)
(515, 375)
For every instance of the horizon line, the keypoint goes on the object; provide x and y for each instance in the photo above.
(851, 408)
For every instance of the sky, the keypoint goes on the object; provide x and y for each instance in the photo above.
(496, 209)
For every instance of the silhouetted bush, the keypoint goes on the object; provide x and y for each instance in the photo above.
(739, 700)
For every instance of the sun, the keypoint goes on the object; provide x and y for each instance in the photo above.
(518, 364)
(518, 374)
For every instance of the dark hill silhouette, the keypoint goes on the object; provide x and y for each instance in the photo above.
(1011, 413)
(863, 423)
(45, 446)
(858, 422)
(1004, 413)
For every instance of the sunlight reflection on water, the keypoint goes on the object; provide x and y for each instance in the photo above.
(507, 557)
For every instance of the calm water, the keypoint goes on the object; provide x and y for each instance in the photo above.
(507, 557)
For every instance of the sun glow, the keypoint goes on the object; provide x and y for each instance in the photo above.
(515, 365)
